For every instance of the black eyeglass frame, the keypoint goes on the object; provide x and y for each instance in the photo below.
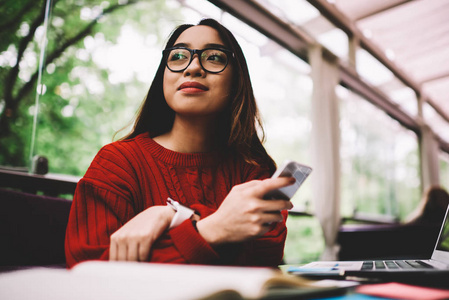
(167, 51)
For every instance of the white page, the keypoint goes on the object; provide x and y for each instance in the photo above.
(107, 280)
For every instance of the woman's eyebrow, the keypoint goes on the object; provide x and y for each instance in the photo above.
(210, 45)
(181, 45)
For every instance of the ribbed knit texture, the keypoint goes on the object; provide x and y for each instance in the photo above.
(126, 177)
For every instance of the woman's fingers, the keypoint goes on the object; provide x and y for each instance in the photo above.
(113, 250)
(122, 251)
(272, 217)
(276, 205)
(144, 250)
(133, 241)
(270, 184)
(129, 250)
(132, 251)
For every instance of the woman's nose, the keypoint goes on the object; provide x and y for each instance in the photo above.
(195, 68)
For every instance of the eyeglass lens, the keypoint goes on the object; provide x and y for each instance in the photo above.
(212, 60)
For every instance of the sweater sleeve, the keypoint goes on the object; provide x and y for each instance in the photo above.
(183, 244)
(267, 250)
(101, 204)
(97, 213)
(91, 222)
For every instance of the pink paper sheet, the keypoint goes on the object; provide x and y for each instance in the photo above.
(403, 291)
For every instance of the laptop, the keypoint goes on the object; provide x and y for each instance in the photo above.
(391, 269)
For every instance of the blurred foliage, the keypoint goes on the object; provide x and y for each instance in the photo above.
(80, 108)
(380, 162)
(305, 241)
(444, 171)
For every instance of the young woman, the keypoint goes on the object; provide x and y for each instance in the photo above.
(194, 141)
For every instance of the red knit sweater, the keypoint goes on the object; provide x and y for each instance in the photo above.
(126, 177)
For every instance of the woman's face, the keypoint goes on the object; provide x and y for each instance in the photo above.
(195, 92)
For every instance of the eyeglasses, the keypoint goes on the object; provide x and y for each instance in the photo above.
(212, 60)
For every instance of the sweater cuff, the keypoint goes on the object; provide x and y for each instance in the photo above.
(191, 244)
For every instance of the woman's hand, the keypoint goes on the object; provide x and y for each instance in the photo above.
(133, 241)
(244, 214)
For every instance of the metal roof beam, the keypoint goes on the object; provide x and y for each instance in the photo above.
(342, 22)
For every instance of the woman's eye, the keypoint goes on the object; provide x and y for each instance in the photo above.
(217, 58)
(178, 56)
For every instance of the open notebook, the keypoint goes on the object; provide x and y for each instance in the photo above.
(438, 264)
(92, 280)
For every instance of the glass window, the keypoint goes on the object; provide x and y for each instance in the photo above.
(379, 161)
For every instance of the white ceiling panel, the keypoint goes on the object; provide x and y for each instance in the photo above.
(415, 34)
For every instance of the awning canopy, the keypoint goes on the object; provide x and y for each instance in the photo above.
(410, 38)
(414, 36)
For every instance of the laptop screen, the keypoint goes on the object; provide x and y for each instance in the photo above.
(443, 240)
(441, 252)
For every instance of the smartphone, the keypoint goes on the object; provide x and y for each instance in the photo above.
(289, 169)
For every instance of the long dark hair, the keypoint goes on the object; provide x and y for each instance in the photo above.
(239, 122)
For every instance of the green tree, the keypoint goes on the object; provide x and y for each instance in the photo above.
(80, 107)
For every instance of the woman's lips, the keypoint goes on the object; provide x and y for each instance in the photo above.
(192, 87)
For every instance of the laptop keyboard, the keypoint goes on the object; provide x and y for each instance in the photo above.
(395, 264)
